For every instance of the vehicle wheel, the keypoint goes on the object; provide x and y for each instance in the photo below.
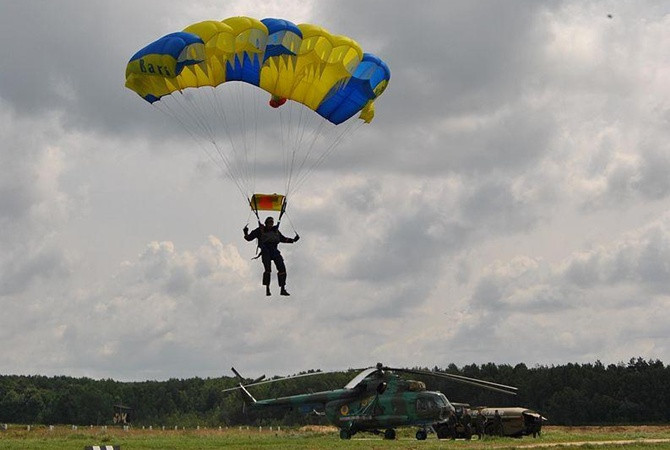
(345, 434)
(389, 434)
(421, 435)
(442, 432)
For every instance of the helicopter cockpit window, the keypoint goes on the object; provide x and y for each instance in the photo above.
(426, 404)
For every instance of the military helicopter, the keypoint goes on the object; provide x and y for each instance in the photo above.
(375, 399)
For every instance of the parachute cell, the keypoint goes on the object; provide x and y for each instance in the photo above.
(159, 68)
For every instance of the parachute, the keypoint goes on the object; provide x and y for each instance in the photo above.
(208, 77)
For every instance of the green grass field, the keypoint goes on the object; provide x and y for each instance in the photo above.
(42, 438)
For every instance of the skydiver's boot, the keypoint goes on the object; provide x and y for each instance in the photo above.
(281, 278)
(266, 283)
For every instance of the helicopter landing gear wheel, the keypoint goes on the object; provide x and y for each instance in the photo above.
(345, 434)
(389, 434)
(421, 435)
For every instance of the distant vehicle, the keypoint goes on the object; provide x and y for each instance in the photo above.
(514, 421)
(459, 425)
(121, 415)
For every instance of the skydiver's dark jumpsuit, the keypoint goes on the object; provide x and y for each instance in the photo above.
(268, 241)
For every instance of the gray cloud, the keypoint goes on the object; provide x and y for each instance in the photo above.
(471, 221)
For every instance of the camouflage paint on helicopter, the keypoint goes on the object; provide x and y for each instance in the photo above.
(377, 398)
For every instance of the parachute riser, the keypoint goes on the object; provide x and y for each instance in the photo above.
(264, 205)
(254, 207)
(281, 213)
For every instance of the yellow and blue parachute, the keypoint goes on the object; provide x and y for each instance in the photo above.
(305, 64)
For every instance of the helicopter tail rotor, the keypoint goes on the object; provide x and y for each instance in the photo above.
(248, 398)
(241, 378)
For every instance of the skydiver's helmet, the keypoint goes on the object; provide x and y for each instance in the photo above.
(269, 221)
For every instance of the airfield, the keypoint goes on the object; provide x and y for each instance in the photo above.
(60, 437)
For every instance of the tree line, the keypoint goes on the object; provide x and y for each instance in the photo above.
(636, 392)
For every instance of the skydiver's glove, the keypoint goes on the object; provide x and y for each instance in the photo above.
(246, 230)
(295, 239)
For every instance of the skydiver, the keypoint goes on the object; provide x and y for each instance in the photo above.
(269, 237)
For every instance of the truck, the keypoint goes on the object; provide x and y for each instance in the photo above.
(513, 421)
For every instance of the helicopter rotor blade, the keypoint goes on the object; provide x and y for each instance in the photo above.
(476, 380)
(511, 390)
(380, 369)
(258, 381)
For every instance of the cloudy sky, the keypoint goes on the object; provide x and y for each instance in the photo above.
(508, 204)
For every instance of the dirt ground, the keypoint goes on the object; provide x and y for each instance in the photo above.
(610, 429)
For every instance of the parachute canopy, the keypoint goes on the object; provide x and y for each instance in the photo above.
(305, 63)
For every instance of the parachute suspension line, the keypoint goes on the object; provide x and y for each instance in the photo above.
(228, 173)
(302, 126)
(290, 144)
(194, 122)
(220, 105)
(295, 156)
(250, 107)
(165, 108)
(315, 135)
(243, 125)
(230, 166)
(283, 137)
(220, 117)
(250, 157)
(290, 222)
(202, 114)
(256, 104)
(349, 129)
(238, 150)
(287, 123)
(292, 148)
(199, 115)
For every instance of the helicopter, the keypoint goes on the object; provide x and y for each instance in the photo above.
(376, 399)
